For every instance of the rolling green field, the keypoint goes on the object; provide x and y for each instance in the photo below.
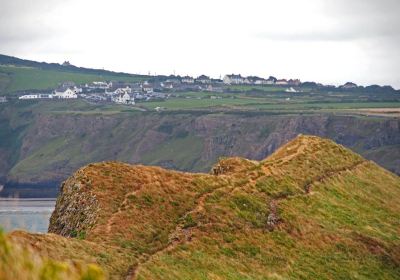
(81, 106)
(14, 79)
(200, 101)
(184, 103)
(328, 106)
(262, 104)
(272, 100)
(270, 88)
(65, 107)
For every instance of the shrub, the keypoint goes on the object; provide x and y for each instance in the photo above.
(188, 221)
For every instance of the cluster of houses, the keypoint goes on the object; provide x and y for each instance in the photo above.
(68, 90)
(123, 92)
(118, 92)
(3, 99)
(232, 79)
(159, 87)
(254, 80)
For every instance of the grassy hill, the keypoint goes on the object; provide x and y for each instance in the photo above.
(311, 210)
(19, 75)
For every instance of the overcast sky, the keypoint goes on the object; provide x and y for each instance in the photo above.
(330, 41)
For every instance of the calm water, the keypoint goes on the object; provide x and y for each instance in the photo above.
(30, 214)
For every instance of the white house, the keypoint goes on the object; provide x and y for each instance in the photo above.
(173, 80)
(147, 88)
(102, 85)
(270, 81)
(282, 82)
(45, 96)
(214, 88)
(187, 80)
(294, 82)
(233, 79)
(247, 81)
(97, 85)
(124, 98)
(203, 79)
(167, 85)
(258, 81)
(65, 94)
(36, 96)
(28, 96)
(123, 90)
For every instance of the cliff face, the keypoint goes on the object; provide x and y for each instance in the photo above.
(77, 207)
(51, 146)
(313, 209)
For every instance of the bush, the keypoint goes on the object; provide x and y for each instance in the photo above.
(189, 222)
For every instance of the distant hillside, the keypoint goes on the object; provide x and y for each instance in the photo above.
(20, 74)
(10, 60)
(47, 141)
(312, 210)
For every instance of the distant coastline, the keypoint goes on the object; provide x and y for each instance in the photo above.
(29, 190)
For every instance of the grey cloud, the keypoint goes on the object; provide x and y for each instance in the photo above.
(365, 19)
(21, 8)
(25, 21)
(361, 7)
(19, 35)
(354, 20)
(342, 33)
(370, 25)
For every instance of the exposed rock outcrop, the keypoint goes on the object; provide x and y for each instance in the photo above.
(77, 207)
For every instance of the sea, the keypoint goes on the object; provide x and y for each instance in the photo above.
(22, 209)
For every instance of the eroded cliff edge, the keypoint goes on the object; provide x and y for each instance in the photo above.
(49, 147)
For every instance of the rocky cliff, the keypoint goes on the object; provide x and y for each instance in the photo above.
(48, 147)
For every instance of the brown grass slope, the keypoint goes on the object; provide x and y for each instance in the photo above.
(312, 210)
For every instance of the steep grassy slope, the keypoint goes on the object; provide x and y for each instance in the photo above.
(47, 141)
(312, 210)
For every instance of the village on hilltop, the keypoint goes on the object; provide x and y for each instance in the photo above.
(159, 88)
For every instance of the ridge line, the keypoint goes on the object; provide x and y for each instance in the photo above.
(273, 218)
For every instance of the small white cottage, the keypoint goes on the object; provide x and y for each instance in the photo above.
(124, 98)
(65, 94)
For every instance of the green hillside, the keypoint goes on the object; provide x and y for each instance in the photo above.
(14, 78)
(20, 74)
(311, 210)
